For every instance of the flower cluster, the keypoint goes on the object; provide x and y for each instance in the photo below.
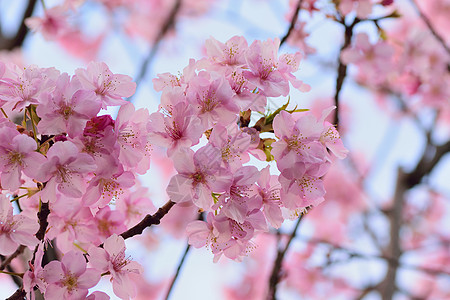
(73, 158)
(240, 200)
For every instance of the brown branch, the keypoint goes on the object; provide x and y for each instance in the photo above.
(168, 24)
(389, 260)
(174, 279)
(149, 220)
(17, 41)
(180, 264)
(276, 270)
(293, 22)
(427, 164)
(18, 295)
(430, 26)
(8, 260)
(42, 216)
(394, 251)
(342, 67)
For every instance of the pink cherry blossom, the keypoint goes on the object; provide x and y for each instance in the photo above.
(180, 129)
(15, 230)
(17, 155)
(198, 175)
(299, 139)
(302, 185)
(109, 87)
(268, 189)
(67, 108)
(69, 278)
(237, 202)
(230, 53)
(109, 222)
(71, 223)
(262, 59)
(246, 96)
(112, 259)
(20, 87)
(52, 25)
(132, 137)
(134, 205)
(363, 7)
(211, 95)
(374, 60)
(65, 171)
(108, 184)
(233, 143)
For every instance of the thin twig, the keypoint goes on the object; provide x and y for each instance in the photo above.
(390, 260)
(276, 270)
(8, 260)
(175, 277)
(342, 67)
(17, 41)
(149, 220)
(430, 26)
(178, 271)
(293, 22)
(168, 24)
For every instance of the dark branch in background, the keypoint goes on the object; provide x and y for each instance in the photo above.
(148, 221)
(276, 270)
(406, 181)
(168, 24)
(293, 22)
(342, 68)
(178, 271)
(43, 223)
(186, 251)
(18, 295)
(17, 41)
(8, 260)
(430, 26)
(427, 164)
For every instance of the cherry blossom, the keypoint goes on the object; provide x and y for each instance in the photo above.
(112, 259)
(52, 25)
(17, 155)
(15, 230)
(198, 175)
(64, 171)
(69, 278)
(109, 87)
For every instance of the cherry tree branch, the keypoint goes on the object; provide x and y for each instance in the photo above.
(430, 26)
(186, 251)
(8, 260)
(43, 224)
(342, 67)
(42, 216)
(148, 221)
(293, 22)
(389, 260)
(276, 270)
(18, 295)
(17, 40)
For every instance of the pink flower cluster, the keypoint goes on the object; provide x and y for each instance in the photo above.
(83, 164)
(207, 97)
(76, 160)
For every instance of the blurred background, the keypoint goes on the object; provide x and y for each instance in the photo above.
(383, 231)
